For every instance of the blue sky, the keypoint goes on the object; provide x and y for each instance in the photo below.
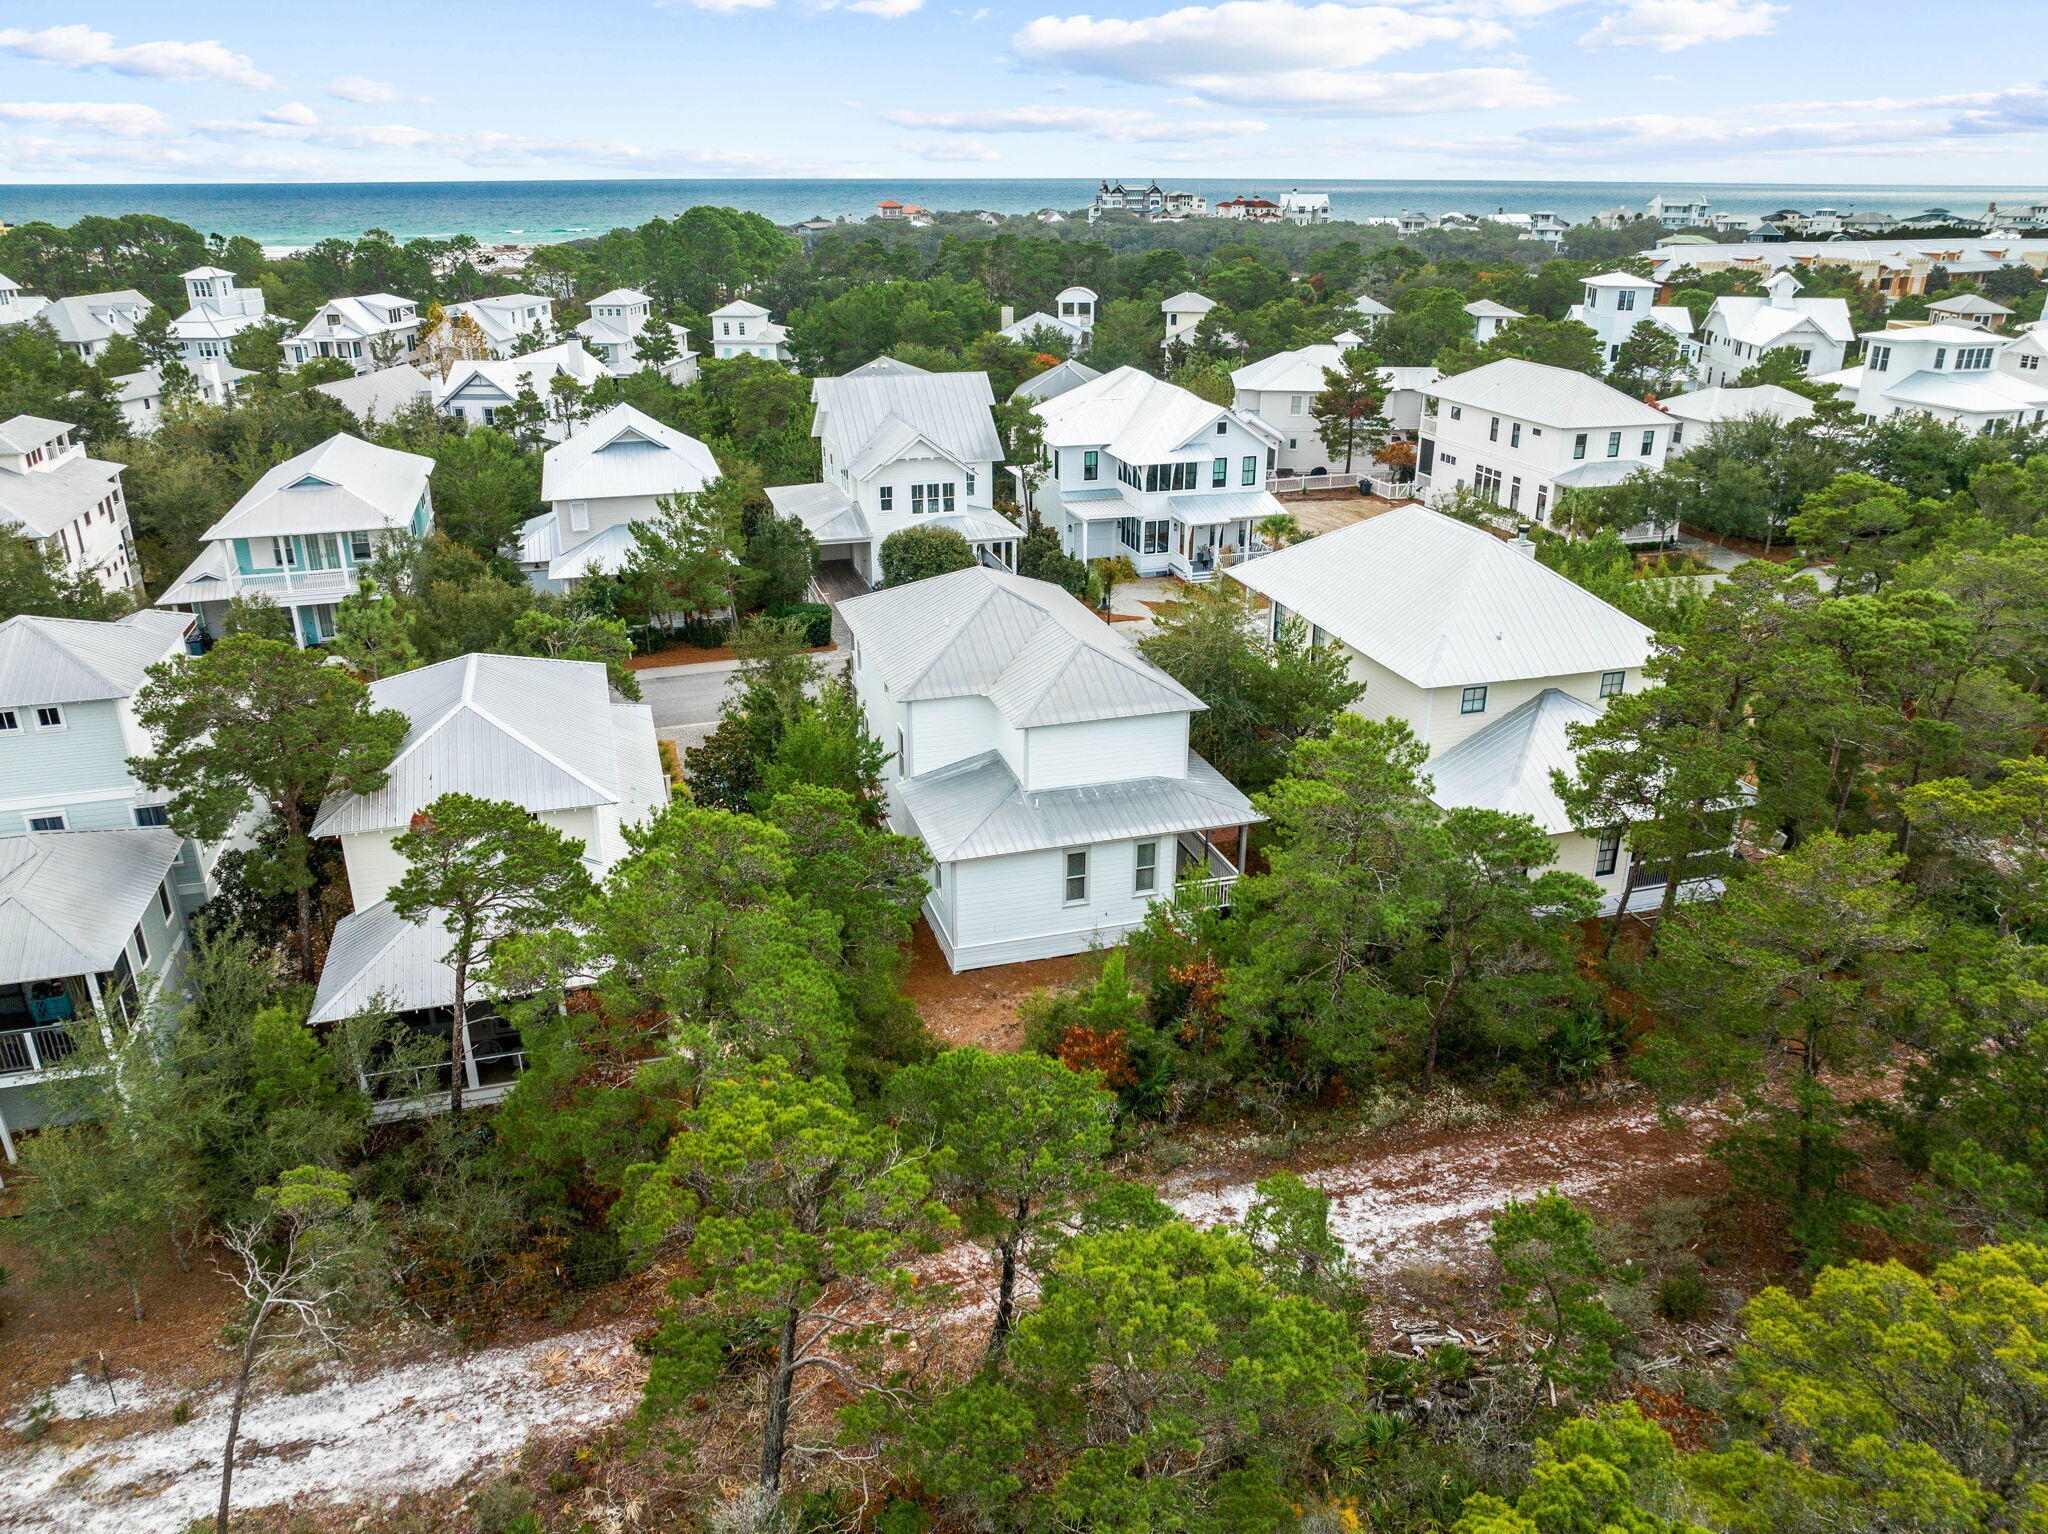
(1706, 90)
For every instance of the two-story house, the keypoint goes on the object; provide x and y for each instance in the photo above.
(1488, 317)
(609, 474)
(1695, 414)
(1484, 653)
(1614, 303)
(86, 323)
(1042, 761)
(17, 307)
(1972, 309)
(546, 735)
(87, 923)
(1520, 433)
(300, 534)
(63, 501)
(900, 447)
(142, 396)
(217, 309)
(1184, 313)
(504, 321)
(476, 391)
(1739, 329)
(613, 334)
(745, 329)
(369, 332)
(1974, 379)
(1678, 212)
(1144, 469)
(1281, 390)
(68, 731)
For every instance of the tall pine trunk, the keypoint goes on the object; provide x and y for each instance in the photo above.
(775, 1431)
(458, 1033)
(1006, 1289)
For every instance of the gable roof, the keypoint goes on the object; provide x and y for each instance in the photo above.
(624, 451)
(740, 309)
(1301, 371)
(343, 485)
(1139, 418)
(1619, 280)
(532, 731)
(1445, 604)
(1760, 321)
(507, 375)
(1507, 765)
(1192, 302)
(1967, 303)
(70, 899)
(380, 395)
(1550, 396)
(22, 433)
(952, 411)
(1487, 309)
(1055, 380)
(1727, 403)
(1027, 646)
(88, 317)
(883, 367)
(43, 500)
(77, 660)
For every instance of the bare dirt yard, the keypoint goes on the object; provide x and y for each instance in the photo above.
(978, 1006)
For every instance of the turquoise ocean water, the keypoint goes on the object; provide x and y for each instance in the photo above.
(539, 211)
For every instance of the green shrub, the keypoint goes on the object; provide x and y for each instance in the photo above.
(1684, 1296)
(815, 617)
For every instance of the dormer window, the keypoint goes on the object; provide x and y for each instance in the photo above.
(1971, 358)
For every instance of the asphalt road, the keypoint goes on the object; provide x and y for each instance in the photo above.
(686, 699)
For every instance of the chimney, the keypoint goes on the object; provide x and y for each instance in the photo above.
(1522, 543)
(1009, 317)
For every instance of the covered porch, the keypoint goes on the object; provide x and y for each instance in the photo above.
(410, 1073)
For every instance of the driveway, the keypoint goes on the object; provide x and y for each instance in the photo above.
(686, 699)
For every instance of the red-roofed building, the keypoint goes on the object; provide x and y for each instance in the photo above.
(1249, 207)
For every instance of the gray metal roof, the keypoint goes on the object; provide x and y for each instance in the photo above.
(1507, 765)
(950, 410)
(1055, 381)
(1446, 604)
(343, 485)
(1549, 396)
(77, 660)
(1040, 656)
(828, 513)
(23, 433)
(888, 367)
(976, 809)
(381, 395)
(1727, 403)
(69, 900)
(536, 732)
(93, 317)
(379, 962)
(45, 499)
(625, 452)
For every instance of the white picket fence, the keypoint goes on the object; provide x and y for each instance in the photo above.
(1294, 484)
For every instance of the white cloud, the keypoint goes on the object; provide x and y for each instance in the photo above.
(888, 10)
(1667, 26)
(1285, 56)
(112, 119)
(80, 47)
(944, 150)
(715, 5)
(368, 92)
(296, 113)
(1117, 125)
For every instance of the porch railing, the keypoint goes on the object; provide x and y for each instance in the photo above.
(35, 1049)
(1208, 888)
(1294, 484)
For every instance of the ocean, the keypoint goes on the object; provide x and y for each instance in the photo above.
(539, 212)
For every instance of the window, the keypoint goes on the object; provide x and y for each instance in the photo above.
(1880, 359)
(1172, 476)
(46, 822)
(1579, 445)
(163, 900)
(1625, 299)
(1649, 442)
(579, 516)
(1457, 412)
(1155, 537)
(1077, 877)
(1294, 404)
(1472, 701)
(1487, 483)
(1145, 875)
(1940, 358)
(1493, 430)
(1542, 500)
(1091, 464)
(2029, 362)
(1222, 427)
(1614, 444)
(1515, 493)
(359, 545)
(885, 497)
(49, 718)
(152, 815)
(970, 485)
(9, 720)
(1970, 358)
(1613, 683)
(1251, 470)
(1219, 473)
(1607, 853)
(1515, 434)
(141, 946)
(935, 499)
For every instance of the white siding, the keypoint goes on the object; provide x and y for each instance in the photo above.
(1107, 751)
(1388, 696)
(374, 865)
(1448, 725)
(945, 730)
(1006, 909)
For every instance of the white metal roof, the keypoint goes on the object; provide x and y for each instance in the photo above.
(623, 297)
(1507, 765)
(381, 395)
(508, 375)
(1138, 418)
(952, 411)
(625, 452)
(1944, 335)
(883, 367)
(1368, 307)
(343, 485)
(536, 732)
(1027, 646)
(1532, 391)
(1619, 280)
(1055, 380)
(1729, 403)
(976, 808)
(77, 660)
(1760, 321)
(46, 499)
(739, 309)
(828, 513)
(90, 317)
(69, 900)
(1967, 303)
(21, 433)
(1301, 371)
(1445, 604)
(1975, 393)
(1487, 309)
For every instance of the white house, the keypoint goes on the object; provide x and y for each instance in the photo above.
(1693, 415)
(1298, 207)
(368, 332)
(744, 329)
(1281, 390)
(1055, 380)
(217, 309)
(1144, 469)
(381, 395)
(1043, 763)
(506, 320)
(300, 533)
(1678, 212)
(1740, 329)
(1616, 302)
(1484, 653)
(476, 391)
(142, 395)
(900, 448)
(86, 324)
(609, 474)
(1543, 226)
(17, 307)
(1488, 317)
(1038, 323)
(613, 333)
(54, 495)
(546, 735)
(1184, 314)
(1519, 433)
(1974, 379)
(1970, 309)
